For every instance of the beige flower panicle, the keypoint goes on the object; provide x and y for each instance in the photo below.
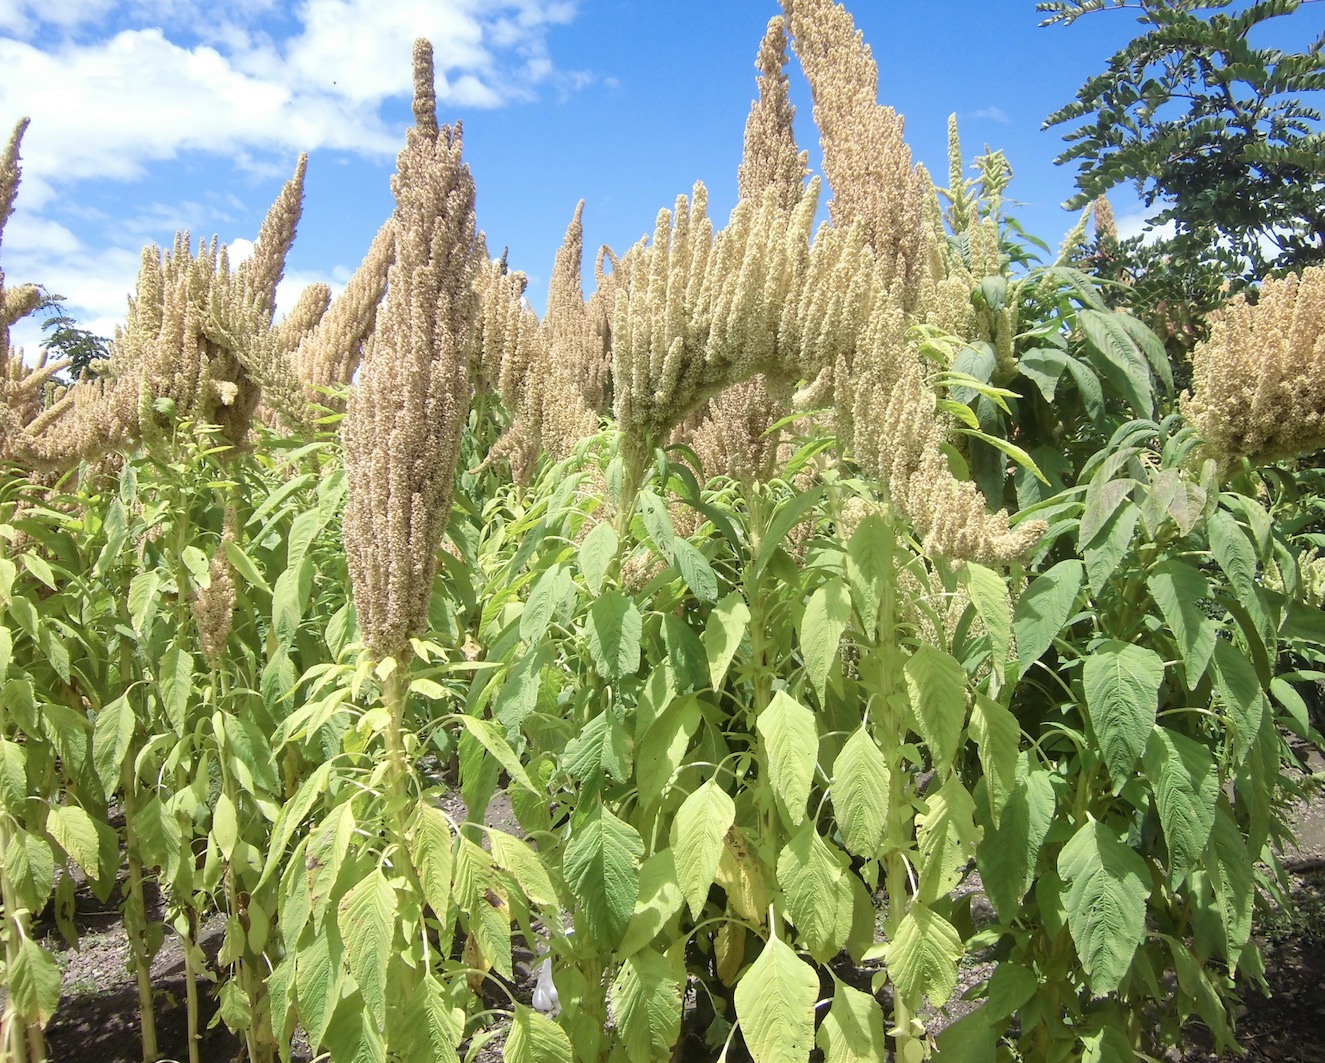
(329, 355)
(213, 607)
(772, 159)
(407, 410)
(506, 329)
(1106, 225)
(866, 159)
(1258, 381)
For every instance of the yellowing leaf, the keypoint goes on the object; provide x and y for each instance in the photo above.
(741, 875)
(535, 1038)
(936, 682)
(947, 834)
(852, 1031)
(817, 892)
(366, 917)
(775, 1005)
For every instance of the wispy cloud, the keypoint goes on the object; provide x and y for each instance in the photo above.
(991, 114)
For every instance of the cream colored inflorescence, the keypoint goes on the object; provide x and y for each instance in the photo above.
(406, 412)
(1258, 381)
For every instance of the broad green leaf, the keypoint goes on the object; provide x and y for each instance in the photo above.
(1185, 781)
(225, 824)
(852, 1031)
(1106, 904)
(144, 597)
(700, 825)
(791, 742)
(520, 860)
(6, 652)
(971, 1039)
(860, 794)
(292, 817)
(695, 570)
(199, 567)
(601, 865)
(29, 866)
(869, 564)
(499, 749)
(993, 604)
(1233, 552)
(686, 661)
(775, 1005)
(111, 738)
(614, 628)
(786, 518)
(1043, 609)
(534, 1038)
(518, 696)
(75, 833)
(1231, 874)
(1103, 497)
(659, 899)
(175, 676)
(430, 1028)
(825, 619)
(33, 981)
(249, 754)
(1008, 449)
(289, 599)
(1239, 689)
(665, 743)
(367, 919)
(946, 834)
(353, 1033)
(40, 568)
(1010, 989)
(597, 552)
(1122, 682)
(657, 522)
(243, 564)
(548, 591)
(431, 852)
(1106, 553)
(1178, 590)
(936, 682)
(922, 959)
(602, 748)
(1008, 853)
(645, 1002)
(723, 633)
(1119, 358)
(13, 779)
(157, 833)
(997, 738)
(818, 895)
(1151, 346)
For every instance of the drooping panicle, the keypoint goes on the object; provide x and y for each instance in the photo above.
(406, 412)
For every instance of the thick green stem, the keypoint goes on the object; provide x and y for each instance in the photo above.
(191, 986)
(135, 921)
(15, 1041)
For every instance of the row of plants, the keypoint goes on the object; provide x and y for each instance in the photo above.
(757, 730)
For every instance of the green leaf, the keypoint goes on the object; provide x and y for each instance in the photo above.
(993, 604)
(645, 1002)
(697, 832)
(818, 895)
(775, 1005)
(597, 552)
(659, 900)
(666, 740)
(534, 1038)
(869, 568)
(1178, 590)
(1043, 366)
(1106, 553)
(548, 591)
(615, 627)
(1234, 553)
(946, 835)
(144, 597)
(13, 779)
(1119, 358)
(922, 958)
(1043, 609)
(860, 794)
(1186, 785)
(971, 1039)
(657, 522)
(601, 864)
(29, 866)
(366, 916)
(1010, 450)
(1008, 854)
(76, 833)
(791, 741)
(786, 518)
(852, 1031)
(225, 824)
(431, 852)
(290, 599)
(111, 738)
(826, 616)
(936, 682)
(997, 738)
(695, 570)
(1106, 904)
(157, 833)
(243, 564)
(430, 1028)
(33, 981)
(1239, 690)
(318, 979)
(1121, 683)
(519, 858)
(723, 633)
(175, 676)
(292, 817)
(602, 748)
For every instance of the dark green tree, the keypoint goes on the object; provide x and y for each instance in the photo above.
(1215, 132)
(64, 339)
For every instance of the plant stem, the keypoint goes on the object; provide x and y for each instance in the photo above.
(135, 919)
(14, 1042)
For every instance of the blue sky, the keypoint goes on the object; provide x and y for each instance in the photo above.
(150, 116)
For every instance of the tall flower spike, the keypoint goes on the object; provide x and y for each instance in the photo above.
(405, 415)
(771, 157)
(1258, 381)
(866, 159)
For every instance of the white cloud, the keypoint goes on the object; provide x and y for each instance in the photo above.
(992, 114)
